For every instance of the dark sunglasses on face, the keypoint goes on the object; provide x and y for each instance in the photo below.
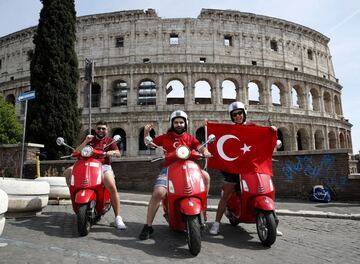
(101, 128)
(236, 113)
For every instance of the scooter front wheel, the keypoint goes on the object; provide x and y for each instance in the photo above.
(193, 234)
(83, 221)
(266, 227)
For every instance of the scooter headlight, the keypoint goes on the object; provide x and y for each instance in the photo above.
(87, 151)
(183, 152)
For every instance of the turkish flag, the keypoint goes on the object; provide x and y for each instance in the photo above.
(240, 148)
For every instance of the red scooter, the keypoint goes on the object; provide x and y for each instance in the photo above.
(90, 199)
(253, 202)
(185, 203)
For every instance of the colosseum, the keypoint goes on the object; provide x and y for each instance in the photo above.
(146, 67)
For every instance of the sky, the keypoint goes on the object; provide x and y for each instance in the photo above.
(338, 20)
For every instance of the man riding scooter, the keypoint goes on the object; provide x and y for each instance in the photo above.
(238, 115)
(175, 136)
(98, 141)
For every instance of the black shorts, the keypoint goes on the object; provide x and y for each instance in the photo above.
(230, 177)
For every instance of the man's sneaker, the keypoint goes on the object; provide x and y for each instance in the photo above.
(119, 224)
(214, 230)
(146, 232)
(279, 233)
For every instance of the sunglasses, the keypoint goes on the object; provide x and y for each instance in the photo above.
(101, 128)
(237, 113)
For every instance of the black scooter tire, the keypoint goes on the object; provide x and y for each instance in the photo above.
(266, 227)
(83, 221)
(193, 234)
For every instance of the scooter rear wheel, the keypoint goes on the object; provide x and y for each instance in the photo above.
(266, 227)
(193, 234)
(83, 221)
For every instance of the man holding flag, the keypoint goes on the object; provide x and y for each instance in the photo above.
(241, 147)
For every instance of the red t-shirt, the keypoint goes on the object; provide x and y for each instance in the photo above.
(100, 143)
(170, 141)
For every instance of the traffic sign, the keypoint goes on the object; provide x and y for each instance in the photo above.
(26, 96)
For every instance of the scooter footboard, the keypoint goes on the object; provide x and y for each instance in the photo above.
(84, 196)
(264, 203)
(190, 206)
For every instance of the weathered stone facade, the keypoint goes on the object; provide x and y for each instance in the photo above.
(214, 59)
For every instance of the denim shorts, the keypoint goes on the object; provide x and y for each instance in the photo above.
(105, 168)
(162, 179)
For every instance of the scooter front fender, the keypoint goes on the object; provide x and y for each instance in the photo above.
(84, 196)
(190, 206)
(264, 203)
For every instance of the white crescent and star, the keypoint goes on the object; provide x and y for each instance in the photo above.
(220, 147)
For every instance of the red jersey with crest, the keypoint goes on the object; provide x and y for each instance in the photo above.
(170, 141)
(100, 143)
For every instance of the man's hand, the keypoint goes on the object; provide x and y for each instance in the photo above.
(88, 138)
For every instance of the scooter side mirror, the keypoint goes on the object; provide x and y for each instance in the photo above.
(60, 141)
(211, 138)
(278, 144)
(117, 138)
(148, 140)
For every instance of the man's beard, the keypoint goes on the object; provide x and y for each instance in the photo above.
(180, 131)
(100, 136)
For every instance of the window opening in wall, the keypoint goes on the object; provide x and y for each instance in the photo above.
(146, 60)
(324, 76)
(253, 63)
(12, 78)
(122, 143)
(228, 92)
(275, 95)
(202, 60)
(295, 68)
(119, 41)
(0, 63)
(174, 39)
(310, 54)
(175, 93)
(254, 93)
(294, 98)
(228, 41)
(202, 92)
(273, 45)
(143, 149)
(147, 93)
(30, 54)
(119, 93)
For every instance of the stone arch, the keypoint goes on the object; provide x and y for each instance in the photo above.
(315, 99)
(342, 140)
(202, 92)
(297, 97)
(332, 140)
(122, 143)
(254, 91)
(302, 139)
(143, 149)
(147, 92)
(337, 105)
(95, 95)
(229, 91)
(175, 92)
(284, 135)
(327, 102)
(119, 93)
(319, 139)
(10, 98)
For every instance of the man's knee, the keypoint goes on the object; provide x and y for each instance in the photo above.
(159, 193)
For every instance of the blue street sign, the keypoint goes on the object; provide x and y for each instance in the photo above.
(26, 96)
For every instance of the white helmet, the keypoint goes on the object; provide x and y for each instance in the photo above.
(236, 106)
(179, 113)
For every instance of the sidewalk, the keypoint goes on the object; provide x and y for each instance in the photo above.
(340, 210)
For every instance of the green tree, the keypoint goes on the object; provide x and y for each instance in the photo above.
(54, 75)
(10, 129)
